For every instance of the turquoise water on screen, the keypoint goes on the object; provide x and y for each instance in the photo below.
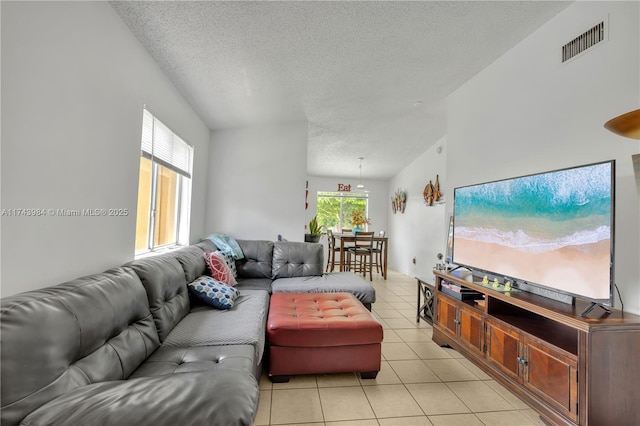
(538, 213)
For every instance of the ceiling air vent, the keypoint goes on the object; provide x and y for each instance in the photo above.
(584, 41)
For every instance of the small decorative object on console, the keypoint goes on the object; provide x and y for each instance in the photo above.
(440, 266)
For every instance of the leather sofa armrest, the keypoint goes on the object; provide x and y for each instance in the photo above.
(195, 398)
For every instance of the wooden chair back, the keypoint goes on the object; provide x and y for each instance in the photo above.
(330, 239)
(381, 234)
(364, 239)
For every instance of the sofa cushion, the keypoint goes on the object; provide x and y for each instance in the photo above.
(335, 282)
(169, 360)
(296, 259)
(206, 245)
(92, 329)
(213, 292)
(221, 396)
(218, 268)
(258, 258)
(191, 260)
(254, 284)
(164, 280)
(244, 324)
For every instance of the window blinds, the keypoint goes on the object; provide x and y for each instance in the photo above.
(161, 145)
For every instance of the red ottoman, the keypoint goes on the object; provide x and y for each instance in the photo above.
(314, 333)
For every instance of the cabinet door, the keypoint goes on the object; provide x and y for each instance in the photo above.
(471, 329)
(447, 314)
(503, 348)
(552, 375)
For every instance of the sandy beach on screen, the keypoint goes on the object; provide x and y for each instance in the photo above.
(583, 270)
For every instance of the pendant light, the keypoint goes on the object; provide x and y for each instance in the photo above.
(360, 186)
(627, 125)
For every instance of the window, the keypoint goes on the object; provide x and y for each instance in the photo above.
(164, 187)
(334, 209)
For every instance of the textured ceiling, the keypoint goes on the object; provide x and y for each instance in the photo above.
(370, 78)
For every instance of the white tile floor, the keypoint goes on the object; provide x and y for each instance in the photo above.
(420, 383)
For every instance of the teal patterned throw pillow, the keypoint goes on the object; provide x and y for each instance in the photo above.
(214, 293)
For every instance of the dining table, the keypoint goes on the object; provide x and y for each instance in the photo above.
(346, 238)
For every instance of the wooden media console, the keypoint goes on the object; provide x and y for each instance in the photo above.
(572, 369)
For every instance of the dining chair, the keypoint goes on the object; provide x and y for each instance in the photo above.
(362, 252)
(377, 251)
(333, 249)
(346, 245)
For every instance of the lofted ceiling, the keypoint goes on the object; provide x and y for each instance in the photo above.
(370, 78)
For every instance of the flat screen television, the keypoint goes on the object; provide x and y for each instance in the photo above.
(551, 230)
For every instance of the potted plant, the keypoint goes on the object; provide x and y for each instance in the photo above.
(315, 231)
(359, 221)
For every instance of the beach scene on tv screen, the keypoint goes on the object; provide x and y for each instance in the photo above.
(551, 229)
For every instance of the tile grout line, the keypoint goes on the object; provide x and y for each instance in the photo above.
(324, 421)
(375, 415)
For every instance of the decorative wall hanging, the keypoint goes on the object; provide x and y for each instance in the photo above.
(432, 192)
(436, 190)
(398, 201)
(427, 194)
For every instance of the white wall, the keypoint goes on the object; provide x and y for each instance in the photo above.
(74, 81)
(256, 182)
(527, 113)
(420, 232)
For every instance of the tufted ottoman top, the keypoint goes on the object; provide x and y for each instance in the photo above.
(320, 320)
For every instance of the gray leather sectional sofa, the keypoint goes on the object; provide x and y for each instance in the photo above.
(130, 346)
(292, 267)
